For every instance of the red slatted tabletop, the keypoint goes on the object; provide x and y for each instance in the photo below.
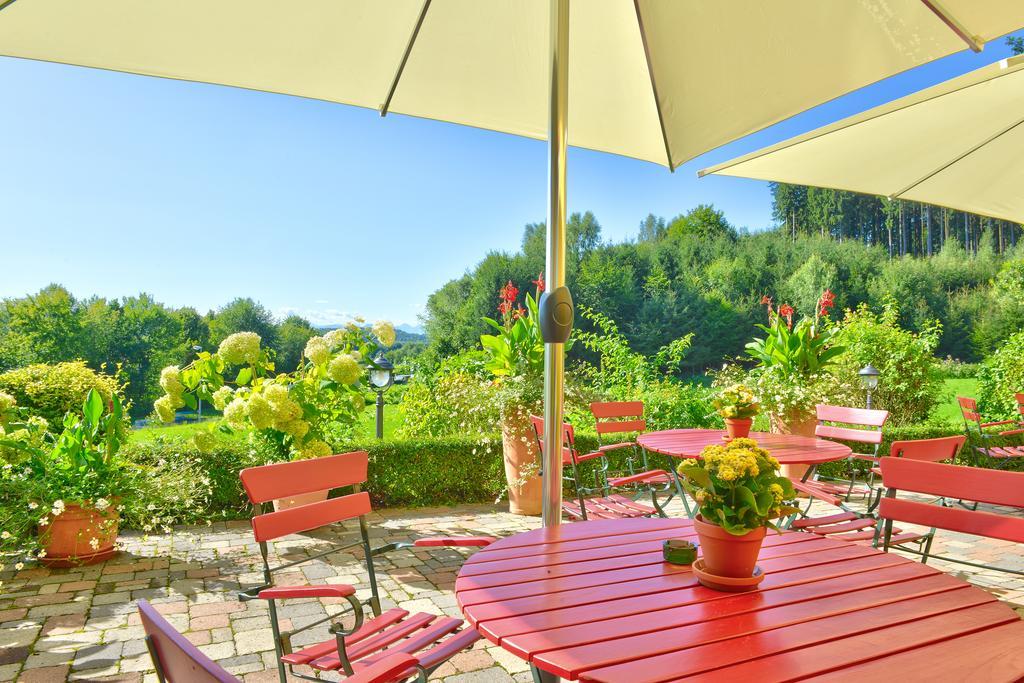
(788, 449)
(594, 601)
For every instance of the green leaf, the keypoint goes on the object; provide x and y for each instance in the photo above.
(244, 377)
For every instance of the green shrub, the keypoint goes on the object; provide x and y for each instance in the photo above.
(50, 391)
(951, 368)
(1000, 377)
(910, 383)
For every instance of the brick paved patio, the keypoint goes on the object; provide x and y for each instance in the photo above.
(80, 624)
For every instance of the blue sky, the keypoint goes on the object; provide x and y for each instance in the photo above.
(112, 184)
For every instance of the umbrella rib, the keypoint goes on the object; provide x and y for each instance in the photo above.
(654, 85)
(405, 58)
(959, 29)
(958, 159)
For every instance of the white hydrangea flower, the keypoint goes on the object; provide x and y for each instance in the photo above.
(170, 380)
(335, 337)
(384, 332)
(317, 350)
(7, 401)
(164, 407)
(315, 449)
(344, 369)
(222, 397)
(240, 348)
(236, 412)
(261, 413)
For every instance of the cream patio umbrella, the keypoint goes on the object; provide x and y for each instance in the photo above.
(658, 80)
(959, 144)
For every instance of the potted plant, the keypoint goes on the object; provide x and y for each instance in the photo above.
(793, 360)
(737, 406)
(740, 494)
(70, 483)
(516, 364)
(300, 412)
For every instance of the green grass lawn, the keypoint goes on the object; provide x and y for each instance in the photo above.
(948, 410)
(365, 428)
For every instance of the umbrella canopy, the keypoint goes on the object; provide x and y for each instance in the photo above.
(959, 144)
(658, 80)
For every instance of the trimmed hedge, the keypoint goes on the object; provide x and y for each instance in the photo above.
(410, 473)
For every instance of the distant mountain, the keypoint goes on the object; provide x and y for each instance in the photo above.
(411, 329)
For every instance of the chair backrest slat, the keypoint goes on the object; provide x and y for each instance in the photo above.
(180, 660)
(978, 523)
(969, 409)
(873, 436)
(1020, 402)
(621, 426)
(286, 479)
(852, 416)
(618, 417)
(302, 518)
(952, 481)
(930, 450)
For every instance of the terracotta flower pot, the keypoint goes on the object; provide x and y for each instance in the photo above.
(521, 468)
(79, 536)
(726, 554)
(301, 499)
(738, 427)
(798, 425)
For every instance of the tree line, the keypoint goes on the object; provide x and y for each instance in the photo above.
(697, 273)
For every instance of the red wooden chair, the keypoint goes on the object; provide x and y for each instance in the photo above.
(859, 425)
(431, 640)
(996, 455)
(618, 422)
(176, 660)
(610, 506)
(951, 481)
(849, 525)
(1020, 423)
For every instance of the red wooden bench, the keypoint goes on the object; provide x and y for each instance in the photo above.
(859, 425)
(619, 422)
(951, 481)
(996, 455)
(430, 639)
(848, 525)
(176, 660)
(589, 506)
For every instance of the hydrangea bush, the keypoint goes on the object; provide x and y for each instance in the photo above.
(302, 412)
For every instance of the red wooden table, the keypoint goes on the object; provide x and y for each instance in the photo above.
(788, 449)
(594, 601)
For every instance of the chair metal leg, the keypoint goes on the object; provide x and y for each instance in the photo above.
(543, 676)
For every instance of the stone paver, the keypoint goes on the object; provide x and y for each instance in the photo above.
(80, 624)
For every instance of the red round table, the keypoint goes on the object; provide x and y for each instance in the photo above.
(788, 449)
(594, 601)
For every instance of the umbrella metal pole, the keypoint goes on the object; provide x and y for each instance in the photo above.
(554, 354)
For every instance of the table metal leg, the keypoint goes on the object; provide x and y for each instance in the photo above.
(543, 676)
(690, 512)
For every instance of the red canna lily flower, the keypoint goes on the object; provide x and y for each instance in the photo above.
(786, 311)
(509, 292)
(539, 282)
(766, 300)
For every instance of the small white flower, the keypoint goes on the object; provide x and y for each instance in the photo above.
(33, 505)
(43, 521)
(19, 566)
(94, 543)
(102, 504)
(5, 535)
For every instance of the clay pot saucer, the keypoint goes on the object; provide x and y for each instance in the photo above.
(727, 584)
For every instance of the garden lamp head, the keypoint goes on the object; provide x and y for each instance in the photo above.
(869, 377)
(382, 373)
(197, 348)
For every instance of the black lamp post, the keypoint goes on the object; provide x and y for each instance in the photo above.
(869, 380)
(382, 376)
